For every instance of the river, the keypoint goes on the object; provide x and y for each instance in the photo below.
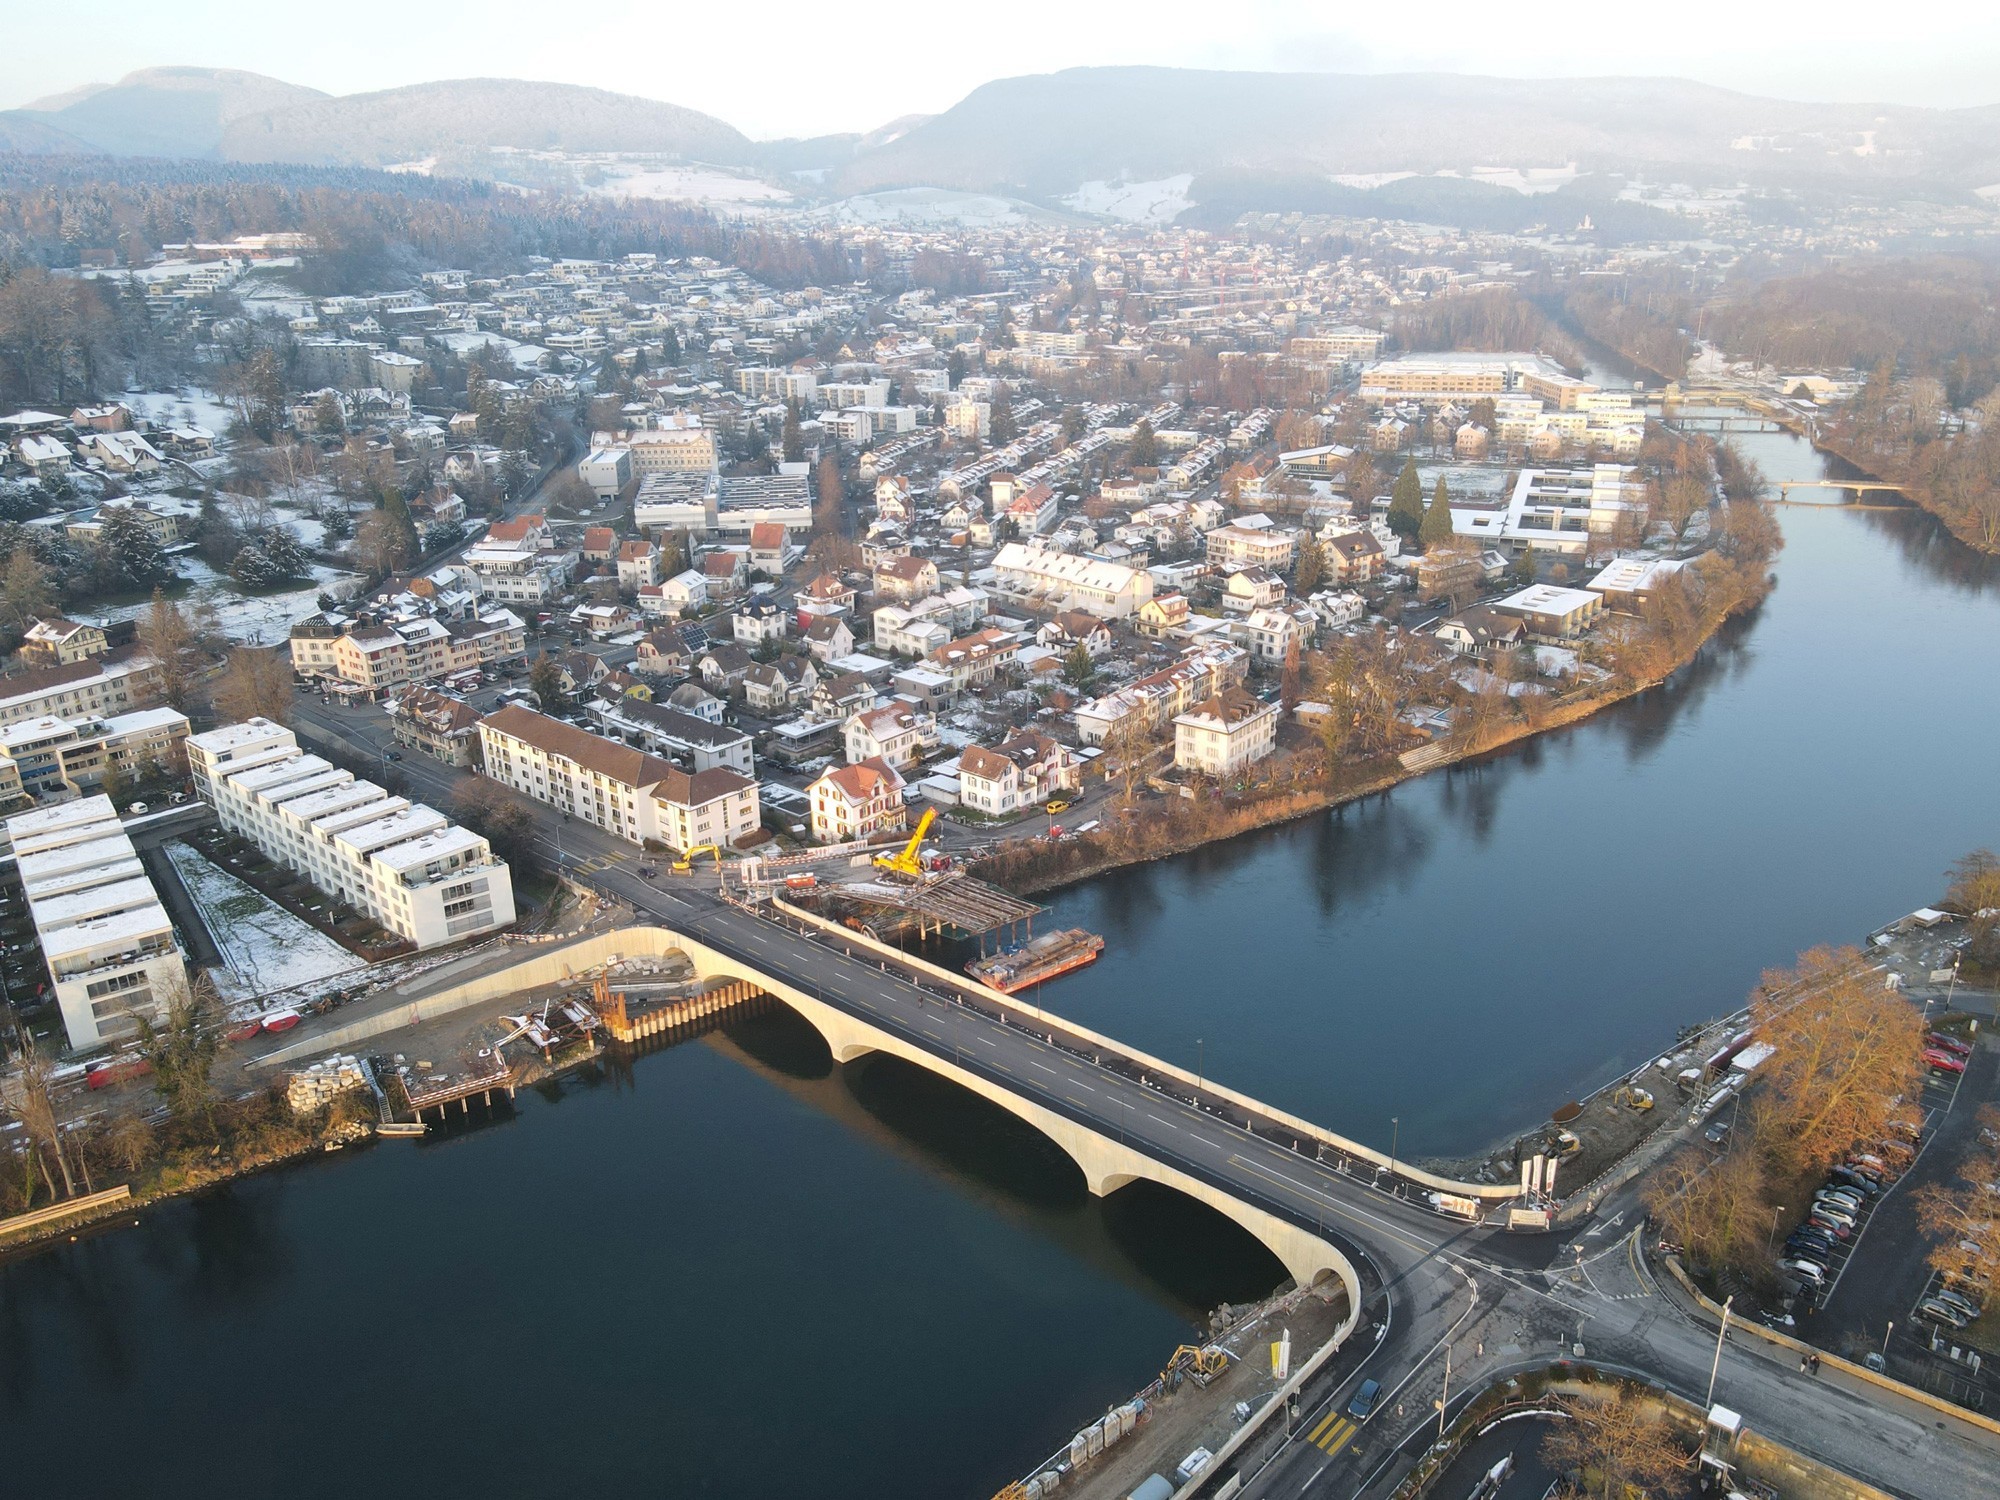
(732, 1269)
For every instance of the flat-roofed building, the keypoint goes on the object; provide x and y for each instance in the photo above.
(106, 940)
(1551, 613)
(402, 864)
(57, 758)
(1045, 579)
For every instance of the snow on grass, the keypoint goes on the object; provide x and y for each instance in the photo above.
(191, 403)
(696, 184)
(264, 947)
(250, 620)
(1158, 202)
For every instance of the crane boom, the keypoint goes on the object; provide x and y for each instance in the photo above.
(905, 861)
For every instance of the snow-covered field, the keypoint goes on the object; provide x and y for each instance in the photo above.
(264, 947)
(940, 206)
(692, 184)
(191, 403)
(1157, 202)
(1528, 180)
(262, 621)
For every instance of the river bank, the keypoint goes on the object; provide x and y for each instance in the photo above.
(1976, 530)
(1179, 826)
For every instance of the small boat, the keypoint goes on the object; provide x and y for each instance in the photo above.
(401, 1128)
(282, 1020)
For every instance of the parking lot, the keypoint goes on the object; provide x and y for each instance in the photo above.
(1883, 1275)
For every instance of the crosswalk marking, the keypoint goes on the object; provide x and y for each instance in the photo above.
(1327, 1421)
(1336, 1438)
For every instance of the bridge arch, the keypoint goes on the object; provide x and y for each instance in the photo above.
(1106, 1164)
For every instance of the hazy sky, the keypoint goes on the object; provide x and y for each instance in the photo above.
(788, 67)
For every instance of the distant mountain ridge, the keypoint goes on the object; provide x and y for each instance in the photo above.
(1246, 139)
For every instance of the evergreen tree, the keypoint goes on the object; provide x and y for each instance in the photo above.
(129, 556)
(1078, 667)
(217, 538)
(1406, 503)
(1436, 528)
(670, 347)
(397, 510)
(1002, 429)
(1524, 568)
(1145, 447)
(954, 369)
(794, 436)
(545, 682)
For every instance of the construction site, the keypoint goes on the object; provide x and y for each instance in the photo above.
(899, 891)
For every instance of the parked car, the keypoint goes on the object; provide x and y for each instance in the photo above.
(1806, 1270)
(1832, 1224)
(1958, 1300)
(1845, 1198)
(1941, 1312)
(1943, 1062)
(1950, 1044)
(1853, 1178)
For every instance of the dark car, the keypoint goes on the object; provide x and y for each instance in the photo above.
(1854, 1179)
(1364, 1400)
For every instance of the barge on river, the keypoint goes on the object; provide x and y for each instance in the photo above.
(1042, 958)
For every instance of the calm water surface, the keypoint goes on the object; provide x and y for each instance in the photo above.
(732, 1269)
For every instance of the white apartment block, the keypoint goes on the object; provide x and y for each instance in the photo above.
(628, 792)
(400, 652)
(108, 943)
(64, 757)
(1058, 581)
(1240, 546)
(766, 383)
(406, 866)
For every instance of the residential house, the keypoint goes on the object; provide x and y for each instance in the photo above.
(442, 727)
(1049, 580)
(722, 665)
(897, 732)
(1480, 631)
(853, 802)
(841, 694)
(770, 550)
(904, 580)
(1151, 703)
(1024, 770)
(1354, 557)
(759, 621)
(726, 572)
(685, 593)
(1162, 615)
(638, 565)
(826, 595)
(1251, 542)
(600, 544)
(1271, 635)
(1033, 511)
(1223, 735)
(1251, 589)
(675, 733)
(1552, 614)
(1072, 628)
(56, 642)
(829, 639)
(973, 660)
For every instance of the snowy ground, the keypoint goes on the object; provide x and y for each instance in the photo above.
(938, 206)
(264, 947)
(262, 621)
(1158, 202)
(189, 404)
(691, 184)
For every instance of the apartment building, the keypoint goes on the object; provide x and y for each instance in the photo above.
(675, 444)
(105, 939)
(1053, 581)
(417, 648)
(56, 642)
(1223, 734)
(768, 383)
(1246, 544)
(625, 791)
(105, 685)
(665, 730)
(1152, 702)
(518, 561)
(404, 865)
(60, 758)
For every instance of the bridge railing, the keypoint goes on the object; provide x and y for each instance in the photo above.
(1107, 1052)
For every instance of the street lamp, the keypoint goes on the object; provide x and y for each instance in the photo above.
(1395, 1135)
(1200, 1060)
(1720, 1334)
(1771, 1238)
(1885, 1339)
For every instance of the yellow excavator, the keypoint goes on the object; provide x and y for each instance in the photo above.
(1201, 1362)
(685, 864)
(905, 861)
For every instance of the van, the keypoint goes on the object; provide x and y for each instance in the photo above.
(1363, 1404)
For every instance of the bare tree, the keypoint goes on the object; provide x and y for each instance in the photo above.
(1617, 1445)
(257, 683)
(1846, 1054)
(182, 1046)
(1962, 1217)
(34, 1104)
(170, 638)
(1714, 1211)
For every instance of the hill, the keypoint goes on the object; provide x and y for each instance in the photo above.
(160, 111)
(1041, 136)
(467, 115)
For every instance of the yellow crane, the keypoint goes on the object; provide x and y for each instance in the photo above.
(685, 864)
(904, 861)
